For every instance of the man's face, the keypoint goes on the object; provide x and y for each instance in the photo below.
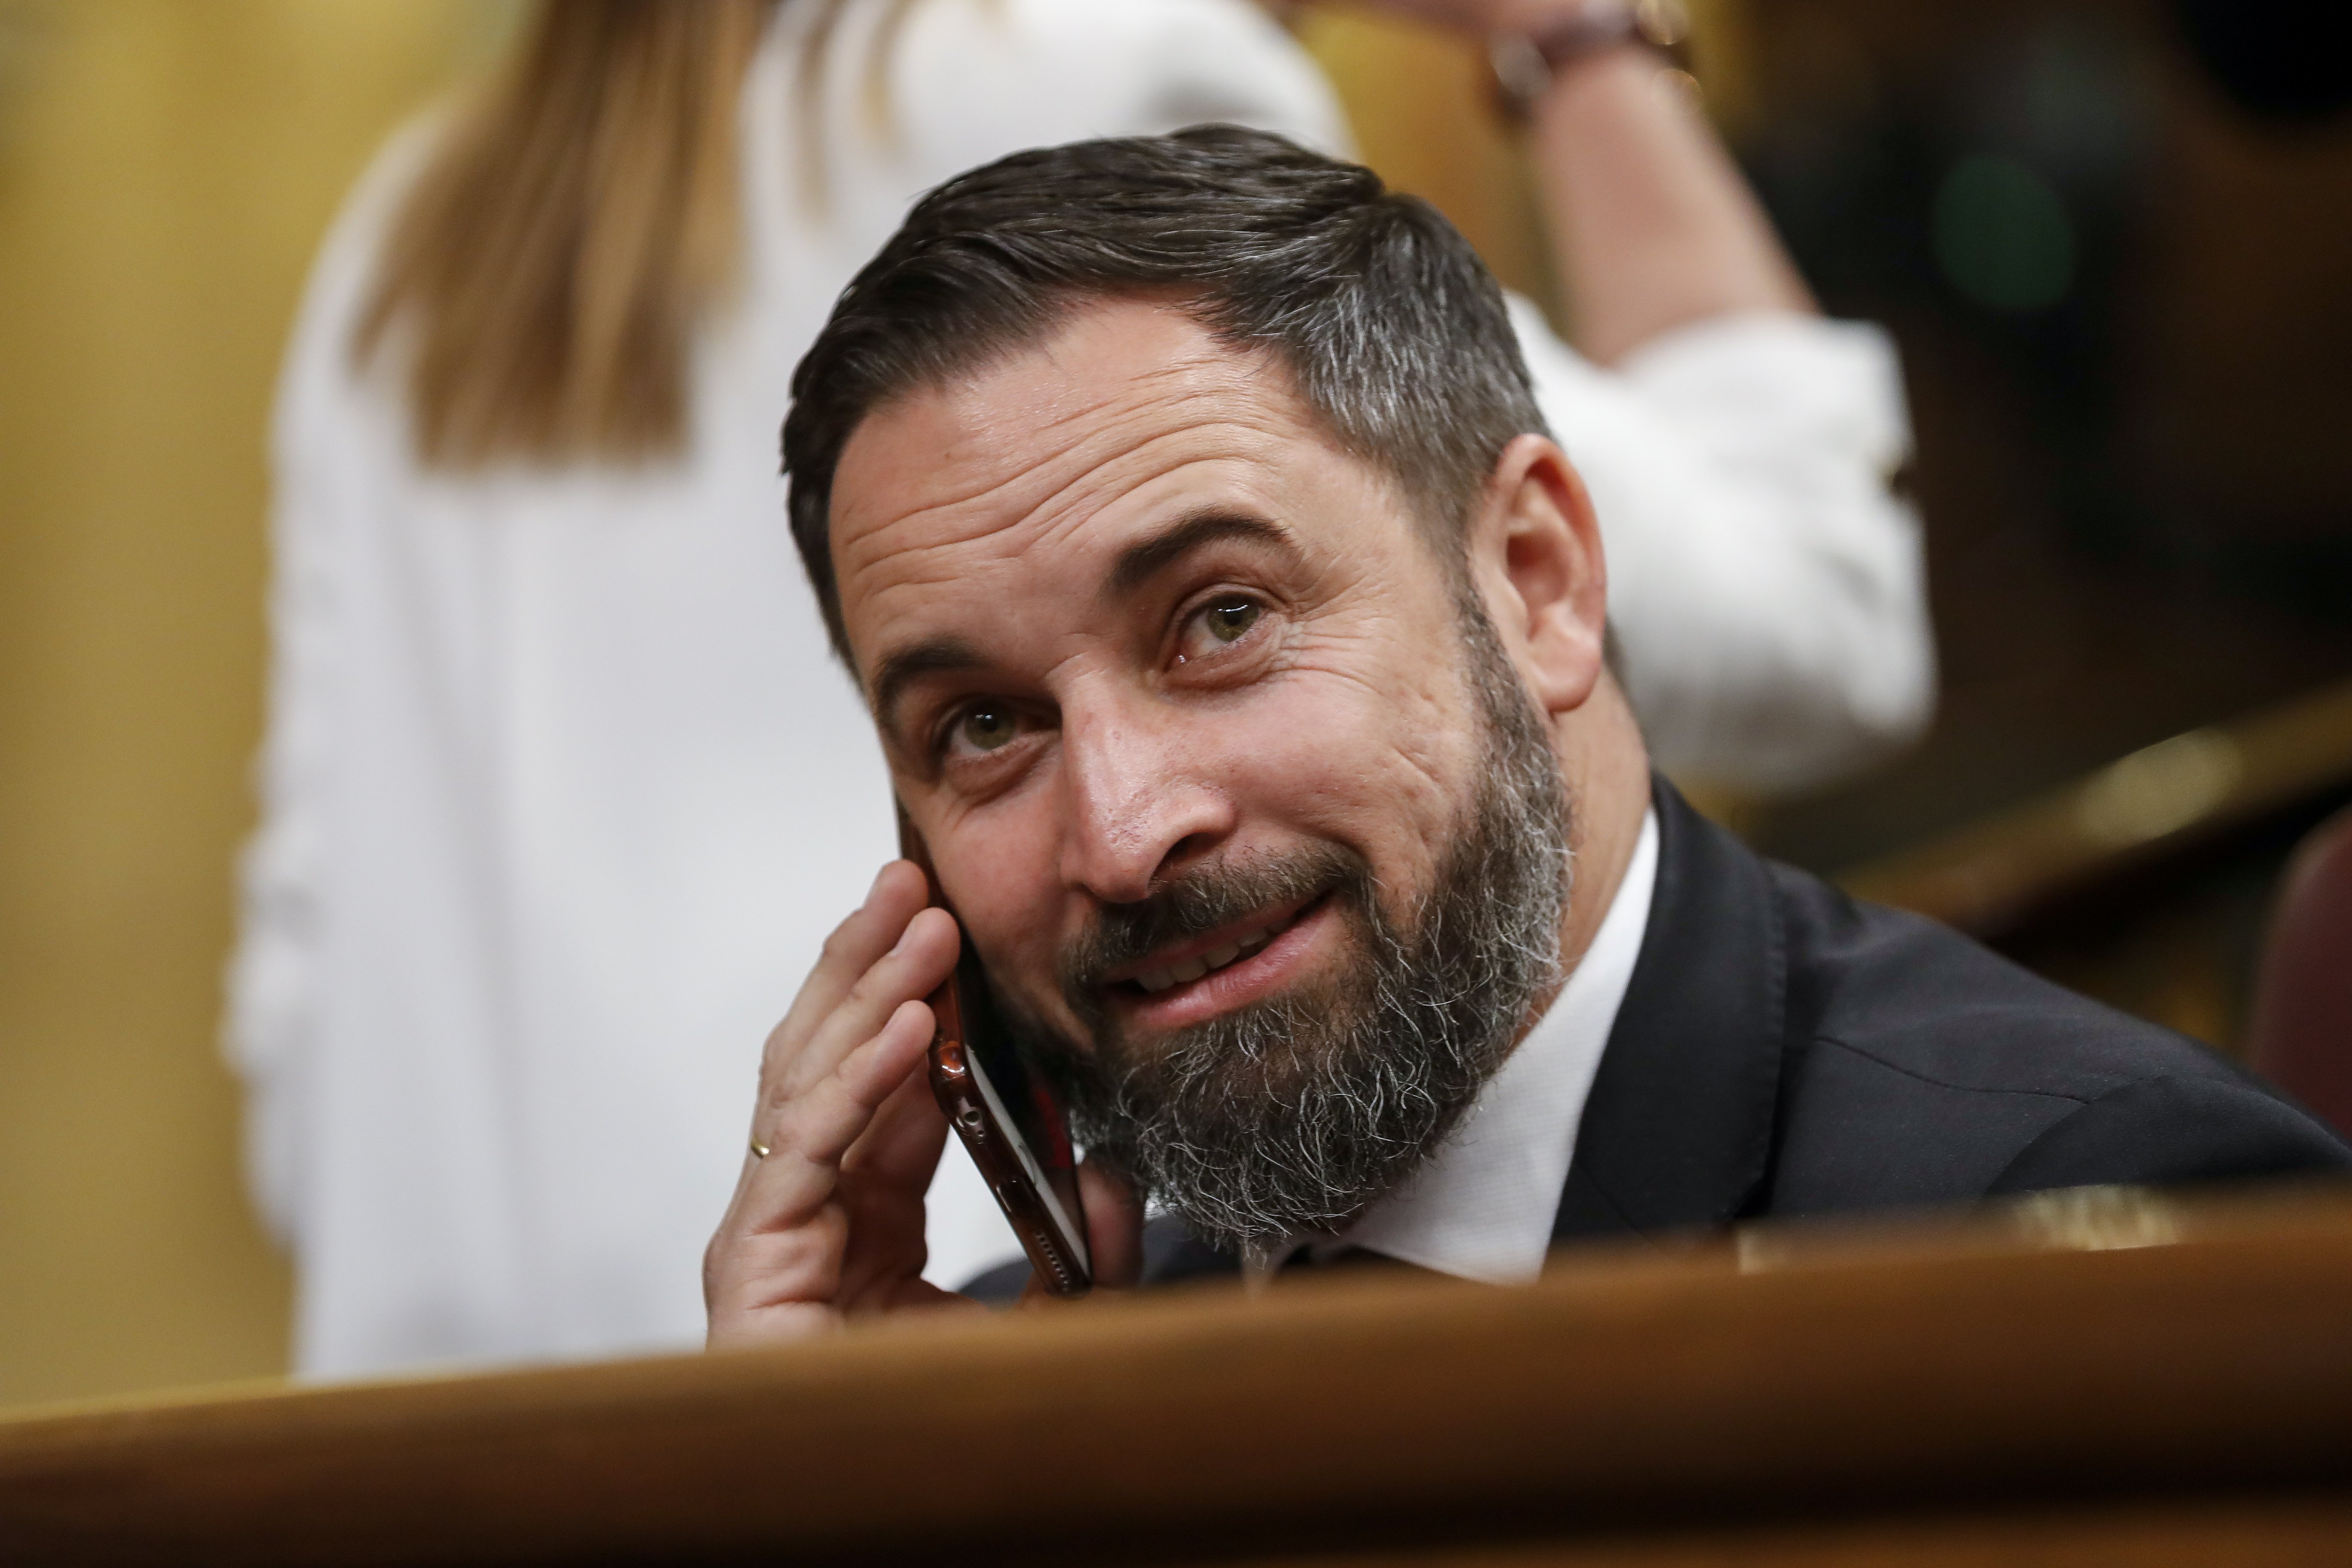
(1179, 695)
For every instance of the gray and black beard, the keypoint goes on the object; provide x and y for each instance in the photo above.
(1293, 1116)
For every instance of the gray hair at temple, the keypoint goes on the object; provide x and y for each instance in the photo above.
(1391, 328)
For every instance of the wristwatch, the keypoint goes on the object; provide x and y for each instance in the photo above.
(1525, 63)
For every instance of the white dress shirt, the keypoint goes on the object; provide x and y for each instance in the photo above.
(1482, 1205)
(562, 789)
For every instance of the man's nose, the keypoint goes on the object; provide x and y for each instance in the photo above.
(1140, 802)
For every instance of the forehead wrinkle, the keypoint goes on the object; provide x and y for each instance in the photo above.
(1097, 483)
(977, 493)
(1082, 418)
(1268, 413)
(1211, 372)
(1104, 453)
(1119, 478)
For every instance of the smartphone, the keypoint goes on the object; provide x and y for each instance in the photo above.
(1009, 1123)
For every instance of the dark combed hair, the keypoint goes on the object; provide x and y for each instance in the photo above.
(1393, 330)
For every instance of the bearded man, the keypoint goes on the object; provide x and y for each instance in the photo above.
(1234, 631)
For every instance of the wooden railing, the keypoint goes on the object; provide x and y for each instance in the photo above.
(2099, 1378)
(2163, 802)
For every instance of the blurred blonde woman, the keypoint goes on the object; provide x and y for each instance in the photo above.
(561, 790)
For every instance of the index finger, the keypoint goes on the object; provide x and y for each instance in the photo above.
(899, 893)
(923, 958)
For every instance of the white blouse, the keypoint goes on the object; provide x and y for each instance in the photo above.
(562, 790)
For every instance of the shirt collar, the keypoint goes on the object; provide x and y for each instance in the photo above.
(1482, 1206)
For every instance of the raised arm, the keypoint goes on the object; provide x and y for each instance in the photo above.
(1765, 581)
(1652, 227)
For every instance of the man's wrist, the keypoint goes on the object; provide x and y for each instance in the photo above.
(1528, 61)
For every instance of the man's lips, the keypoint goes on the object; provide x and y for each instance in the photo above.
(1196, 956)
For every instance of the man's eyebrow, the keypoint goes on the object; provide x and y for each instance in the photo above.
(903, 667)
(1139, 563)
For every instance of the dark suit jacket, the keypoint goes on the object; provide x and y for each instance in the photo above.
(1783, 1051)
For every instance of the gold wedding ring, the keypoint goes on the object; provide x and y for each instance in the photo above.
(759, 1150)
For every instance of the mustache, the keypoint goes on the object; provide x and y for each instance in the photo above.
(1201, 900)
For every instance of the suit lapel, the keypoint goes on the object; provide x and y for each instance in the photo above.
(1677, 1132)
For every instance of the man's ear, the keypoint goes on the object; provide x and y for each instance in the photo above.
(1535, 556)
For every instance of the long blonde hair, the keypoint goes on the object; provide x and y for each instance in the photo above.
(579, 220)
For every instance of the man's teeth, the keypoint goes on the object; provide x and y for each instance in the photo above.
(1194, 967)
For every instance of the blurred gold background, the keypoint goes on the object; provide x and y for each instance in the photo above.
(166, 168)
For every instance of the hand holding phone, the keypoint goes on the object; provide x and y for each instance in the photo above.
(1003, 1112)
(827, 1218)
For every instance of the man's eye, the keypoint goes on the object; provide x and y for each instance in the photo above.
(984, 729)
(1227, 619)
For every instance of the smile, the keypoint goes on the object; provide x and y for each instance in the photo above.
(1227, 947)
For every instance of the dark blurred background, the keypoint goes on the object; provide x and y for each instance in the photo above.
(2112, 239)
(2122, 303)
